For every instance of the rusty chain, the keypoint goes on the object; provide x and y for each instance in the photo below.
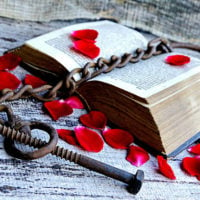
(49, 92)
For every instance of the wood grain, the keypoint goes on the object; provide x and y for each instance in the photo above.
(177, 20)
(53, 178)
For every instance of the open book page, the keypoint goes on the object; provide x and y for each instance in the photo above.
(143, 79)
(150, 76)
(113, 39)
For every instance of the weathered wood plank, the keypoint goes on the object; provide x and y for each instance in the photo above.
(177, 20)
(53, 178)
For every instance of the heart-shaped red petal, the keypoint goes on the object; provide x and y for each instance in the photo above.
(58, 108)
(74, 102)
(9, 61)
(94, 119)
(192, 166)
(195, 149)
(177, 60)
(87, 48)
(137, 156)
(118, 138)
(88, 139)
(8, 80)
(68, 136)
(90, 34)
(34, 81)
(165, 168)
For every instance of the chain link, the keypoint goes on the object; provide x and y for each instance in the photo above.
(92, 69)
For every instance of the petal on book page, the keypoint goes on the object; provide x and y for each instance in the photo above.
(137, 156)
(177, 60)
(192, 166)
(34, 81)
(9, 61)
(8, 80)
(68, 136)
(195, 149)
(118, 138)
(58, 108)
(90, 34)
(87, 48)
(74, 102)
(94, 119)
(165, 168)
(88, 139)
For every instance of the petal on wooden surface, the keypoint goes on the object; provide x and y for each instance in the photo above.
(177, 60)
(8, 80)
(89, 140)
(34, 81)
(68, 136)
(192, 166)
(90, 34)
(94, 119)
(195, 149)
(74, 102)
(58, 108)
(165, 168)
(137, 156)
(118, 138)
(88, 49)
(9, 61)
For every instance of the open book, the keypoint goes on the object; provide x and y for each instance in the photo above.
(158, 103)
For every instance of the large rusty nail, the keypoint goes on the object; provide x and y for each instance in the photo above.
(134, 181)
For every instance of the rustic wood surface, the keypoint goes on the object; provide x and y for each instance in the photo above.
(177, 20)
(53, 178)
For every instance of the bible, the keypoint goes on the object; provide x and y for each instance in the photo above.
(157, 102)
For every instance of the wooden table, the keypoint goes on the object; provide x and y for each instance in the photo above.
(53, 178)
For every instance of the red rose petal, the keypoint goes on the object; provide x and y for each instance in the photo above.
(177, 60)
(88, 139)
(118, 138)
(58, 108)
(195, 149)
(68, 136)
(8, 80)
(192, 166)
(165, 168)
(74, 102)
(34, 81)
(137, 156)
(90, 41)
(90, 34)
(9, 61)
(94, 119)
(87, 48)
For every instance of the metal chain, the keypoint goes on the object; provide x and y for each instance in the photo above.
(49, 92)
